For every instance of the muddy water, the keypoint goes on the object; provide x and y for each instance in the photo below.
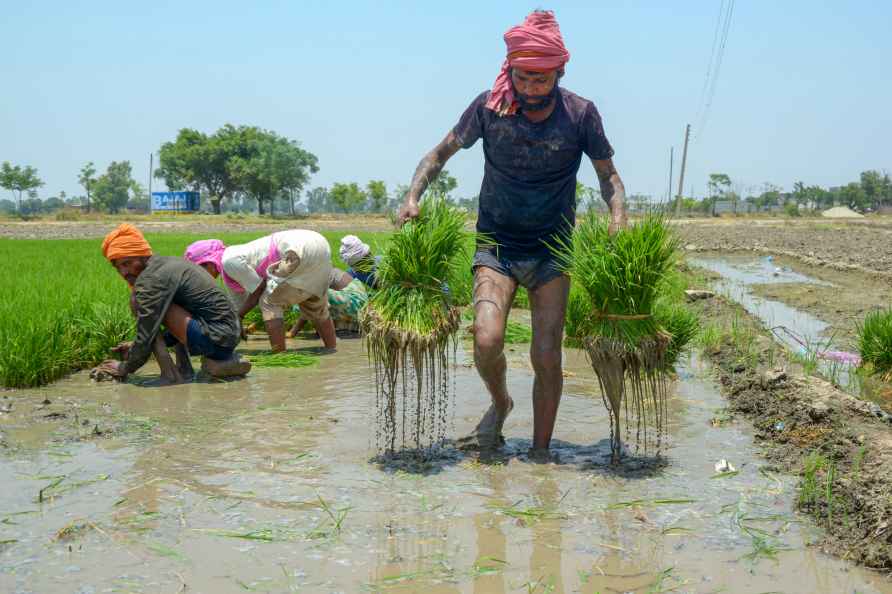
(266, 485)
(740, 273)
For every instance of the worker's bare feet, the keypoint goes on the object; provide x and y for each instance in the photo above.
(184, 363)
(232, 367)
(488, 432)
(542, 456)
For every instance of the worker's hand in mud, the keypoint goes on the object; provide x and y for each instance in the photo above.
(408, 211)
(113, 368)
(123, 348)
(618, 221)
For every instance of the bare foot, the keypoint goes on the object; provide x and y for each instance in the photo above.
(488, 432)
(232, 367)
(542, 456)
(184, 363)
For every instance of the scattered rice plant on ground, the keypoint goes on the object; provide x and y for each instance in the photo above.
(281, 359)
(614, 315)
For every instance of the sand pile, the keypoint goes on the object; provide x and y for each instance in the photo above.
(841, 212)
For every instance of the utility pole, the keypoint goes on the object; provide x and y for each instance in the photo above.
(684, 162)
(671, 155)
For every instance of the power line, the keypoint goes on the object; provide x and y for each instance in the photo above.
(723, 24)
(701, 104)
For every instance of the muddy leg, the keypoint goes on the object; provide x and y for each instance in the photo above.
(548, 304)
(493, 293)
(184, 363)
(169, 371)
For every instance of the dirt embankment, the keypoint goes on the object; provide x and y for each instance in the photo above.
(840, 446)
(205, 225)
(842, 246)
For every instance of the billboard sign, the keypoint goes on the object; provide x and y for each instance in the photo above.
(175, 201)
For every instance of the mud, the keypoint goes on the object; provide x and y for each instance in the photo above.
(266, 485)
(802, 420)
(861, 246)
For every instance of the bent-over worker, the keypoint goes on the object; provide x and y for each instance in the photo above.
(534, 135)
(179, 295)
(276, 271)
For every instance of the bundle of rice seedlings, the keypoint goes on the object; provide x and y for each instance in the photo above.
(875, 342)
(681, 324)
(409, 325)
(617, 284)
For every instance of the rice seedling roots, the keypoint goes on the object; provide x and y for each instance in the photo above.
(413, 388)
(633, 383)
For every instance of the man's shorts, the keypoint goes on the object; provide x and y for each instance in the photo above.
(200, 344)
(530, 273)
(272, 305)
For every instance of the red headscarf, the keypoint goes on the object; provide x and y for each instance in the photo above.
(535, 45)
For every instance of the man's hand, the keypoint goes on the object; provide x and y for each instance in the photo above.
(618, 221)
(408, 211)
(123, 349)
(109, 368)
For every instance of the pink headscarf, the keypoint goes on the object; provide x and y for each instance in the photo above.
(535, 45)
(211, 250)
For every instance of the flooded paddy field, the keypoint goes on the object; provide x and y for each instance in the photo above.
(270, 484)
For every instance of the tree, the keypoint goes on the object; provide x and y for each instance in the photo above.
(347, 197)
(111, 190)
(586, 197)
(19, 180)
(718, 184)
(318, 200)
(443, 184)
(377, 193)
(877, 187)
(139, 198)
(86, 179)
(800, 194)
(854, 196)
(54, 203)
(236, 159)
(268, 165)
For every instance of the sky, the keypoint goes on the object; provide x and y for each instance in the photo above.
(803, 92)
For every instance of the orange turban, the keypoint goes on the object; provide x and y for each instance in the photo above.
(125, 242)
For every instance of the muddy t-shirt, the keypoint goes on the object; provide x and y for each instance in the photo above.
(167, 280)
(528, 195)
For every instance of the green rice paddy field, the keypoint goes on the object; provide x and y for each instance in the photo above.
(64, 306)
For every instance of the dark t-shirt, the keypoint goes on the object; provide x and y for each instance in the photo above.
(528, 195)
(167, 280)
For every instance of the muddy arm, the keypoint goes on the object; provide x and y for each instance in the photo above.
(428, 169)
(612, 191)
(252, 300)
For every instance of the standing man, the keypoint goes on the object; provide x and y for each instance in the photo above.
(534, 135)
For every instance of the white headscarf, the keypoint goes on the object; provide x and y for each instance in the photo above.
(353, 249)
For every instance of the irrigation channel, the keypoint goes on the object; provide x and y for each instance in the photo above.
(267, 485)
(796, 330)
